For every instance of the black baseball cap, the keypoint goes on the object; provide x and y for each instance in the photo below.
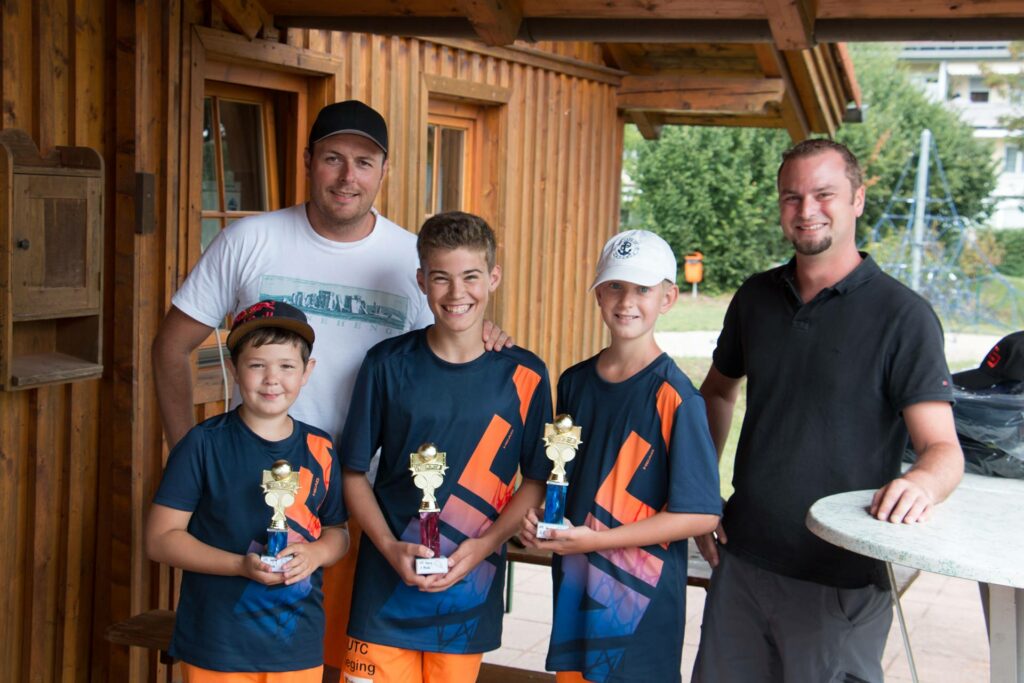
(269, 313)
(353, 117)
(1004, 363)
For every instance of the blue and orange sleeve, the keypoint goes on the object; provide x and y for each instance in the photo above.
(181, 486)
(534, 390)
(332, 510)
(312, 511)
(360, 437)
(693, 461)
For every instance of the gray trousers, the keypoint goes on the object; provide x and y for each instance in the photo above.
(762, 627)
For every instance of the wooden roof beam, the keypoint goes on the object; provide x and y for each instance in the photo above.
(811, 91)
(248, 17)
(496, 22)
(793, 115)
(644, 122)
(665, 9)
(726, 120)
(792, 23)
(889, 29)
(696, 93)
(795, 119)
(536, 29)
(616, 56)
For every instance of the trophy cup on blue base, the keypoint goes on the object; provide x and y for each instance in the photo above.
(561, 439)
(428, 467)
(279, 486)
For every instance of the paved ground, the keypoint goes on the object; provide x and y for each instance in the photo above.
(944, 619)
(944, 616)
(962, 350)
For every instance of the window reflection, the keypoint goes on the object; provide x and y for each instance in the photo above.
(446, 148)
(235, 164)
(245, 180)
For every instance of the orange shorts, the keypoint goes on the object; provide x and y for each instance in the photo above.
(373, 663)
(569, 677)
(194, 674)
(338, 581)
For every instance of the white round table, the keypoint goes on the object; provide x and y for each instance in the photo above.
(977, 533)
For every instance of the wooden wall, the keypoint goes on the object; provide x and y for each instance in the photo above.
(79, 462)
(554, 200)
(55, 74)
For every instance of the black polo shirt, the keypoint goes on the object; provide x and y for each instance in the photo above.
(826, 384)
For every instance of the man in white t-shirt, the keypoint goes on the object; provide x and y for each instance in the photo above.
(351, 270)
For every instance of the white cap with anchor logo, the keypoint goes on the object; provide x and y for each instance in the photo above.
(636, 256)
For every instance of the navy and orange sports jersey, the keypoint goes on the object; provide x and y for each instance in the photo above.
(619, 615)
(230, 623)
(488, 417)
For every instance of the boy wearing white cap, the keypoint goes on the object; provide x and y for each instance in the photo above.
(644, 480)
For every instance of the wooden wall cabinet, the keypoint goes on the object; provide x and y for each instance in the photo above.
(51, 263)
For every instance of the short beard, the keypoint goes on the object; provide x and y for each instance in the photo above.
(813, 248)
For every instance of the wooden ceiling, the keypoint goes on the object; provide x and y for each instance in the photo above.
(772, 63)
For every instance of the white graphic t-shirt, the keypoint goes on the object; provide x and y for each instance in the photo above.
(354, 294)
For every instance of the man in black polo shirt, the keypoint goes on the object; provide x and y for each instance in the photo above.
(842, 363)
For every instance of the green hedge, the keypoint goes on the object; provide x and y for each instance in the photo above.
(1012, 243)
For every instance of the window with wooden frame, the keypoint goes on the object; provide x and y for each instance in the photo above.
(452, 157)
(251, 159)
(251, 136)
(240, 169)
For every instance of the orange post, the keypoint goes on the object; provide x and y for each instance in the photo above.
(693, 267)
(693, 270)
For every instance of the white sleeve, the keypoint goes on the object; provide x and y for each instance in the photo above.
(210, 292)
(424, 316)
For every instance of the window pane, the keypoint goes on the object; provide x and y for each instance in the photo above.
(978, 89)
(210, 199)
(211, 226)
(1012, 160)
(449, 179)
(428, 196)
(245, 180)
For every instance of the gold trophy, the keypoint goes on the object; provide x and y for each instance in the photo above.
(428, 467)
(279, 486)
(561, 439)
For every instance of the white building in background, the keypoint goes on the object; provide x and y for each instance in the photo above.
(954, 73)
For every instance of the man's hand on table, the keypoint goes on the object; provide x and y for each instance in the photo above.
(902, 500)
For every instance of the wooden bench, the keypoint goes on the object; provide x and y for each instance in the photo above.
(698, 571)
(494, 673)
(150, 630)
(153, 630)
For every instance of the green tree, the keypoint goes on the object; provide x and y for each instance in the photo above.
(713, 189)
(1012, 244)
(895, 113)
(981, 253)
(1012, 84)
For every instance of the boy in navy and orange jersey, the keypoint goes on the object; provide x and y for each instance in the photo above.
(644, 480)
(486, 411)
(238, 620)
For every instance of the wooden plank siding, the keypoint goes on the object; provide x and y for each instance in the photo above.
(549, 178)
(557, 182)
(79, 462)
(54, 84)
